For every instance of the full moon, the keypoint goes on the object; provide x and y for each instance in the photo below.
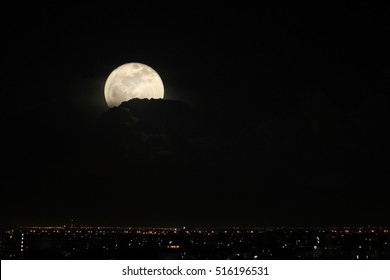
(132, 80)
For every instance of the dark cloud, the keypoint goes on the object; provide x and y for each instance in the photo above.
(170, 156)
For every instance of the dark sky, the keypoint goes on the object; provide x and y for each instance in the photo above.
(295, 98)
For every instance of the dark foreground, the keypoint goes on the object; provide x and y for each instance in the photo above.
(182, 243)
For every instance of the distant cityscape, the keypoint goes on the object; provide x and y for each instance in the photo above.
(70, 242)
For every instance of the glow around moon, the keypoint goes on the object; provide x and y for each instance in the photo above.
(132, 80)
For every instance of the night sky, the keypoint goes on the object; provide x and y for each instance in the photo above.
(275, 115)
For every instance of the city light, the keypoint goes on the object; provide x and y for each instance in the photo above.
(228, 243)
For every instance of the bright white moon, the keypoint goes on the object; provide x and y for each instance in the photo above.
(132, 80)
